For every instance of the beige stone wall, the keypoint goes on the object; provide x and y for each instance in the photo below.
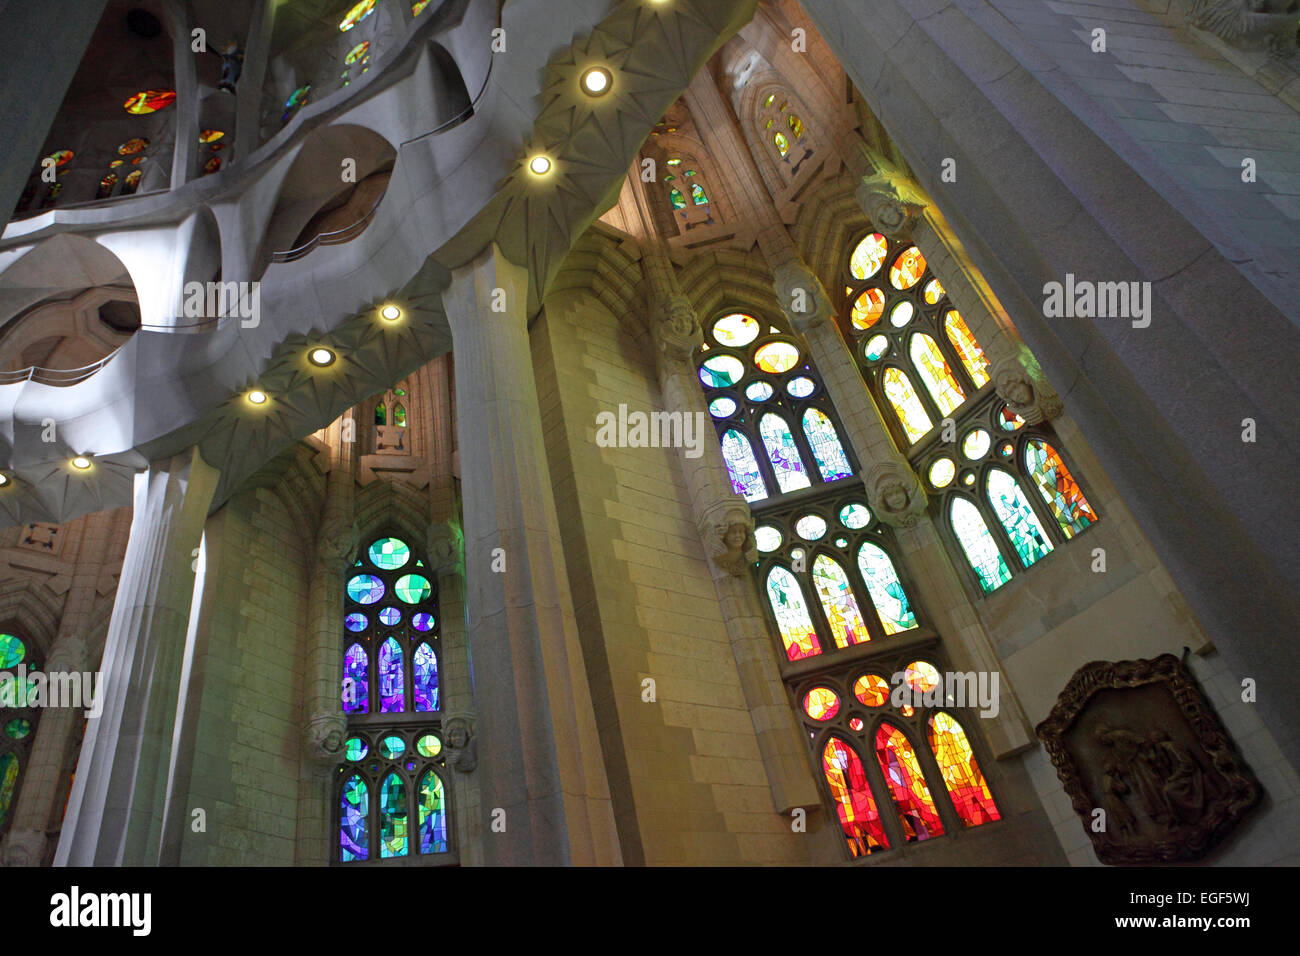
(688, 782)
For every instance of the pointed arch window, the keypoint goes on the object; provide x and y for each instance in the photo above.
(781, 127)
(391, 791)
(390, 431)
(18, 719)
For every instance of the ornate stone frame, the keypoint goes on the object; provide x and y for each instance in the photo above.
(1223, 814)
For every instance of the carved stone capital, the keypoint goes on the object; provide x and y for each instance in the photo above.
(336, 544)
(1250, 24)
(895, 493)
(891, 201)
(462, 746)
(1033, 400)
(727, 529)
(323, 738)
(446, 546)
(24, 848)
(674, 327)
(68, 655)
(801, 294)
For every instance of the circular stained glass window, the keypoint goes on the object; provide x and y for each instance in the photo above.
(390, 616)
(721, 371)
(868, 257)
(767, 538)
(810, 527)
(422, 621)
(855, 516)
(776, 357)
(736, 330)
(133, 146)
(821, 703)
(428, 746)
(906, 711)
(355, 622)
(389, 553)
(759, 392)
(902, 314)
(968, 478)
(907, 269)
(856, 723)
(876, 346)
(872, 690)
(933, 292)
(841, 542)
(356, 748)
(976, 444)
(392, 747)
(796, 554)
(1006, 449)
(1009, 421)
(18, 728)
(721, 407)
(365, 589)
(921, 677)
(942, 472)
(800, 387)
(868, 309)
(12, 651)
(413, 588)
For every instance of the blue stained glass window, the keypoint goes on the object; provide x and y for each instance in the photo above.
(977, 542)
(422, 621)
(783, 453)
(1017, 516)
(1058, 488)
(365, 588)
(354, 839)
(356, 681)
(826, 447)
(425, 665)
(392, 817)
(746, 479)
(355, 622)
(390, 616)
(392, 682)
(433, 814)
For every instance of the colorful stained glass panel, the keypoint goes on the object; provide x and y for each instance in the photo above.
(133, 146)
(356, 681)
(356, 15)
(425, 667)
(759, 392)
(722, 407)
(721, 371)
(839, 602)
(392, 679)
(821, 703)
(1058, 488)
(942, 472)
(787, 600)
(976, 444)
(868, 256)
(911, 413)
(783, 453)
(365, 588)
(867, 309)
(776, 357)
(885, 589)
(18, 728)
(872, 690)
(428, 746)
(854, 804)
(389, 553)
(422, 621)
(390, 616)
(855, 516)
(746, 479)
(810, 527)
(12, 651)
(875, 348)
(829, 454)
(767, 538)
(801, 387)
(354, 841)
(961, 771)
(907, 269)
(413, 588)
(392, 817)
(936, 373)
(391, 747)
(433, 814)
(978, 544)
(907, 785)
(967, 348)
(355, 622)
(149, 101)
(1017, 516)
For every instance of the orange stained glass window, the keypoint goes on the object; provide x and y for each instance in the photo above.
(961, 772)
(854, 804)
(841, 607)
(968, 349)
(1058, 488)
(911, 413)
(868, 256)
(907, 269)
(907, 785)
(149, 101)
(868, 308)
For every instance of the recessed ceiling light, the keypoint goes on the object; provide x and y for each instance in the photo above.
(257, 397)
(391, 312)
(321, 357)
(4, 479)
(540, 165)
(597, 80)
(81, 463)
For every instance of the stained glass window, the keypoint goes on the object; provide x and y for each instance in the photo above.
(839, 603)
(978, 544)
(418, 7)
(902, 396)
(433, 814)
(676, 198)
(149, 101)
(426, 678)
(961, 771)
(827, 450)
(787, 600)
(1017, 517)
(782, 144)
(782, 452)
(354, 842)
(907, 785)
(698, 196)
(392, 682)
(854, 803)
(968, 350)
(746, 479)
(295, 100)
(1058, 488)
(356, 15)
(18, 719)
(885, 589)
(935, 373)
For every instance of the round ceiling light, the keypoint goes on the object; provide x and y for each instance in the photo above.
(4, 479)
(257, 397)
(597, 81)
(321, 357)
(391, 312)
(540, 165)
(81, 463)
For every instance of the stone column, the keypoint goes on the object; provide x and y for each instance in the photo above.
(543, 782)
(252, 77)
(115, 810)
(186, 147)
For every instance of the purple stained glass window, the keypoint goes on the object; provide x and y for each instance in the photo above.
(826, 447)
(355, 622)
(354, 841)
(392, 684)
(425, 665)
(356, 681)
(746, 479)
(422, 621)
(783, 453)
(390, 616)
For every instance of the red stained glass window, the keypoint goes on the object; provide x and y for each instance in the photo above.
(854, 804)
(907, 784)
(149, 101)
(961, 771)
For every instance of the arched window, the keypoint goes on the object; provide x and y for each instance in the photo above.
(18, 719)
(782, 128)
(1003, 490)
(889, 736)
(688, 191)
(777, 427)
(392, 791)
(390, 422)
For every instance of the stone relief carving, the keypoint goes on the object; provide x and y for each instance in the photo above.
(802, 297)
(1032, 400)
(462, 745)
(674, 328)
(336, 543)
(727, 529)
(895, 493)
(1138, 741)
(891, 201)
(446, 544)
(1254, 24)
(323, 738)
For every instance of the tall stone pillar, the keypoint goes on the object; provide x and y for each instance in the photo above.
(542, 778)
(115, 810)
(252, 77)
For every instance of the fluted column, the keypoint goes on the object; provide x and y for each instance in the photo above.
(115, 810)
(541, 771)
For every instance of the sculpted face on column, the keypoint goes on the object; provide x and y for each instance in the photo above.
(323, 739)
(336, 543)
(674, 328)
(1032, 400)
(727, 528)
(895, 493)
(891, 201)
(446, 545)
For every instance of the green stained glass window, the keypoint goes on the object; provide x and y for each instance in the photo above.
(356, 748)
(1013, 510)
(365, 589)
(977, 542)
(428, 746)
(12, 651)
(413, 588)
(676, 198)
(381, 413)
(697, 195)
(8, 782)
(392, 817)
(399, 416)
(392, 747)
(18, 728)
(389, 553)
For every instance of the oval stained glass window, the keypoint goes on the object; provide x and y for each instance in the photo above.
(839, 602)
(776, 357)
(921, 676)
(783, 453)
(935, 373)
(868, 256)
(722, 407)
(854, 804)
(977, 542)
(855, 723)
(876, 347)
(782, 144)
(942, 472)
(827, 451)
(901, 314)
(801, 387)
(841, 542)
(61, 157)
(356, 15)
(131, 147)
(210, 135)
(968, 350)
(390, 616)
(389, 553)
(392, 678)
(911, 413)
(867, 309)
(365, 588)
(961, 771)
(391, 747)
(355, 622)
(425, 666)
(1017, 516)
(933, 292)
(357, 52)
(354, 748)
(422, 621)
(721, 371)
(871, 690)
(354, 840)
(810, 527)
(767, 538)
(907, 785)
(976, 444)
(821, 703)
(433, 814)
(413, 588)
(787, 600)
(759, 392)
(885, 589)
(428, 746)
(12, 651)
(356, 681)
(855, 516)
(392, 817)
(907, 269)
(149, 101)
(18, 728)
(738, 454)
(676, 199)
(736, 330)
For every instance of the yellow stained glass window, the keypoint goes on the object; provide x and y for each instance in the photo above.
(902, 396)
